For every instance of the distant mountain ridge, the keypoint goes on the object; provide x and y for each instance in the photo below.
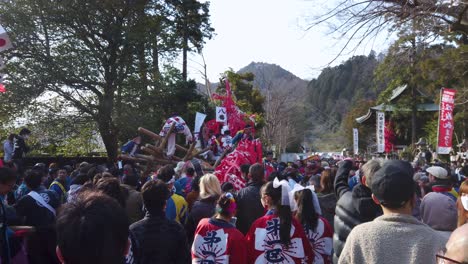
(266, 75)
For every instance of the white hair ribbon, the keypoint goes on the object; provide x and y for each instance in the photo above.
(298, 187)
(284, 190)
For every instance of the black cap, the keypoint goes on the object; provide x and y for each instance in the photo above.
(393, 184)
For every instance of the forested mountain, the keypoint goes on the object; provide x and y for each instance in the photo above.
(338, 88)
(285, 105)
(301, 113)
(268, 75)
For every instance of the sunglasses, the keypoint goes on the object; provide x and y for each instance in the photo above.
(441, 259)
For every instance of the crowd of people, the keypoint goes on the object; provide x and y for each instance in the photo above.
(303, 212)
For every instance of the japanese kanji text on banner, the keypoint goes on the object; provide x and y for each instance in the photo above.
(446, 125)
(380, 132)
(221, 114)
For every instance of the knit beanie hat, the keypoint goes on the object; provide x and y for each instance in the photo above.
(439, 212)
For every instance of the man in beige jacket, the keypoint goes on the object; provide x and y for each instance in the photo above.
(396, 236)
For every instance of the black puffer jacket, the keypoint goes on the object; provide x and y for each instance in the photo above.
(353, 208)
(249, 206)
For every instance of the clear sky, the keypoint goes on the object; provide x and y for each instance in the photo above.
(271, 31)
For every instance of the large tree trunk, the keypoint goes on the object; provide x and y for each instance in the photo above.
(110, 140)
(107, 128)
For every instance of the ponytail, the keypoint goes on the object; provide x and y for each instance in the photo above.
(283, 211)
(305, 209)
(285, 215)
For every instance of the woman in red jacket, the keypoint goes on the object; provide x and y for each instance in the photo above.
(277, 237)
(216, 239)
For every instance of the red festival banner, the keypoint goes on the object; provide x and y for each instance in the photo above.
(446, 125)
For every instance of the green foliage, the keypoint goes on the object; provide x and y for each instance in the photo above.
(192, 21)
(102, 59)
(339, 88)
(430, 129)
(248, 98)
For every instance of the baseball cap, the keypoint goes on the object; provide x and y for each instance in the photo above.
(393, 184)
(438, 172)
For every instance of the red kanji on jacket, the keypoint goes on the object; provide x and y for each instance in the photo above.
(264, 245)
(218, 242)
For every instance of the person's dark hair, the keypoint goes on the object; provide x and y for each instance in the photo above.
(282, 166)
(273, 175)
(305, 209)
(53, 171)
(92, 171)
(190, 172)
(84, 167)
(244, 168)
(257, 173)
(68, 168)
(166, 173)
(7, 175)
(226, 187)
(226, 205)
(284, 211)
(111, 187)
(11, 137)
(42, 169)
(446, 182)
(131, 180)
(24, 131)
(95, 224)
(80, 179)
(155, 194)
(196, 184)
(114, 171)
(33, 179)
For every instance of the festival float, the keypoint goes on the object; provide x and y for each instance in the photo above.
(227, 166)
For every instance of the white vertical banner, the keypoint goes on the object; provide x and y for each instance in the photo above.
(221, 114)
(199, 119)
(380, 132)
(356, 141)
